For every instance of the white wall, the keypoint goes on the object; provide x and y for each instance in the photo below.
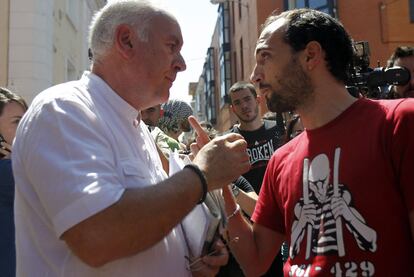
(30, 46)
(48, 43)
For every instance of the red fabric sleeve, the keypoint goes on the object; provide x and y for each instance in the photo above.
(403, 149)
(267, 211)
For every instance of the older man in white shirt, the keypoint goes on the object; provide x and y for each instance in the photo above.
(92, 198)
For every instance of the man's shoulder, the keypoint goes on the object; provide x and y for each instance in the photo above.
(69, 92)
(392, 109)
(269, 124)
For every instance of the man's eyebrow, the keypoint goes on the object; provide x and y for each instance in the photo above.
(175, 39)
(261, 48)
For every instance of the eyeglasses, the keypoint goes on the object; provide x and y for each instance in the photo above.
(197, 263)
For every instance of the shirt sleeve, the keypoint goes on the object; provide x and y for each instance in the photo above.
(243, 184)
(403, 149)
(267, 212)
(69, 162)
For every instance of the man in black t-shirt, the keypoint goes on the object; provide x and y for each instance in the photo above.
(263, 136)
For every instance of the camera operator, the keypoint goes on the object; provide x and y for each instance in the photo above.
(403, 56)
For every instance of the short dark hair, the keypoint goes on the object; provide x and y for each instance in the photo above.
(6, 96)
(306, 25)
(240, 86)
(400, 52)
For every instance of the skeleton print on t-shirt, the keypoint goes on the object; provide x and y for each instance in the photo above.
(323, 210)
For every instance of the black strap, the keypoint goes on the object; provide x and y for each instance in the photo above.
(203, 180)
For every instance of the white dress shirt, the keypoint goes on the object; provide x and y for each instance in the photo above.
(77, 149)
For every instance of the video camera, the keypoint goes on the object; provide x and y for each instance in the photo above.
(372, 83)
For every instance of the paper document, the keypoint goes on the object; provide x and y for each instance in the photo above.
(201, 225)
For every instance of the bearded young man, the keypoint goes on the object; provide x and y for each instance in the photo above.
(341, 193)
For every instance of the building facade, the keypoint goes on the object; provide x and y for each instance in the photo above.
(383, 24)
(43, 42)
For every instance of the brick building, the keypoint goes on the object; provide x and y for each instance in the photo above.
(384, 24)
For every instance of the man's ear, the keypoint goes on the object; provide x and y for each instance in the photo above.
(313, 54)
(259, 99)
(124, 36)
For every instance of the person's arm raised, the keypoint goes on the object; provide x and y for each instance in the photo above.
(143, 216)
(256, 246)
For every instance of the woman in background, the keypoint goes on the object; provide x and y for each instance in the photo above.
(12, 108)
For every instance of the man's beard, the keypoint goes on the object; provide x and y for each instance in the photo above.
(295, 89)
(246, 119)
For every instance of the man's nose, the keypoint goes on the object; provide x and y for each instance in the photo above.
(179, 64)
(244, 104)
(256, 76)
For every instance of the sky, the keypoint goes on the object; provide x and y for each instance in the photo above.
(197, 19)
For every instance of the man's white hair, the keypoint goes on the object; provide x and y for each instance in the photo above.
(136, 13)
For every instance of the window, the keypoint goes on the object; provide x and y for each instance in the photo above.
(235, 66)
(209, 86)
(72, 12)
(411, 3)
(240, 9)
(241, 59)
(326, 6)
(224, 52)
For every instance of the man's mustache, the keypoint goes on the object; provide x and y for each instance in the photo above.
(264, 86)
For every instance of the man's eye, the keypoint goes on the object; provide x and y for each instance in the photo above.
(172, 46)
(264, 55)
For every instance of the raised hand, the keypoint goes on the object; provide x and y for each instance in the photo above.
(5, 150)
(223, 159)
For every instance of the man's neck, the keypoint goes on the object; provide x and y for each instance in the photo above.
(326, 106)
(251, 126)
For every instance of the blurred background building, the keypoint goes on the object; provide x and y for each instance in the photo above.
(230, 58)
(43, 42)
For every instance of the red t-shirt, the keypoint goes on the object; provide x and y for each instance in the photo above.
(342, 193)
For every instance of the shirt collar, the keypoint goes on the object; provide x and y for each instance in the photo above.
(100, 87)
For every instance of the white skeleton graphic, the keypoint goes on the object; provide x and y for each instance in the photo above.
(320, 212)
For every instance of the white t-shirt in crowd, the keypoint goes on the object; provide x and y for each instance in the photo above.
(77, 149)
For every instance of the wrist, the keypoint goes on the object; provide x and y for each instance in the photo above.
(235, 212)
(204, 187)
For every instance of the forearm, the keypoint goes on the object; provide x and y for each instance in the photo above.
(140, 219)
(247, 201)
(244, 249)
(256, 246)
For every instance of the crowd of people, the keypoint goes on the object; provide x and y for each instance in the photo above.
(321, 187)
